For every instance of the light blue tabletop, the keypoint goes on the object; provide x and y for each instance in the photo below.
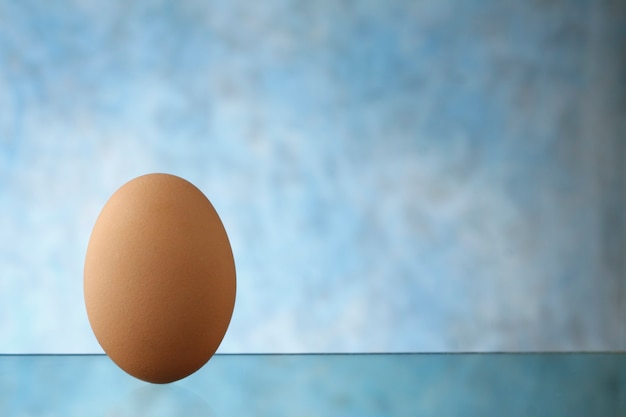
(323, 385)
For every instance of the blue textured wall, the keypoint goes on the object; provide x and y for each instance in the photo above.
(394, 175)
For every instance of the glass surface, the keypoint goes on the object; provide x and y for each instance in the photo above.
(323, 385)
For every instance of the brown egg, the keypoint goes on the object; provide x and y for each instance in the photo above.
(159, 278)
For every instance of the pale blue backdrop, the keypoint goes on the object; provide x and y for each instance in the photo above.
(394, 175)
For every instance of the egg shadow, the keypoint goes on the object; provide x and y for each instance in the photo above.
(161, 401)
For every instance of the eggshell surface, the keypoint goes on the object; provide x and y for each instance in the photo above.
(159, 278)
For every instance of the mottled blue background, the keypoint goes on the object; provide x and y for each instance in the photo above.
(394, 175)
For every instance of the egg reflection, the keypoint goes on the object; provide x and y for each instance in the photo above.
(161, 401)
